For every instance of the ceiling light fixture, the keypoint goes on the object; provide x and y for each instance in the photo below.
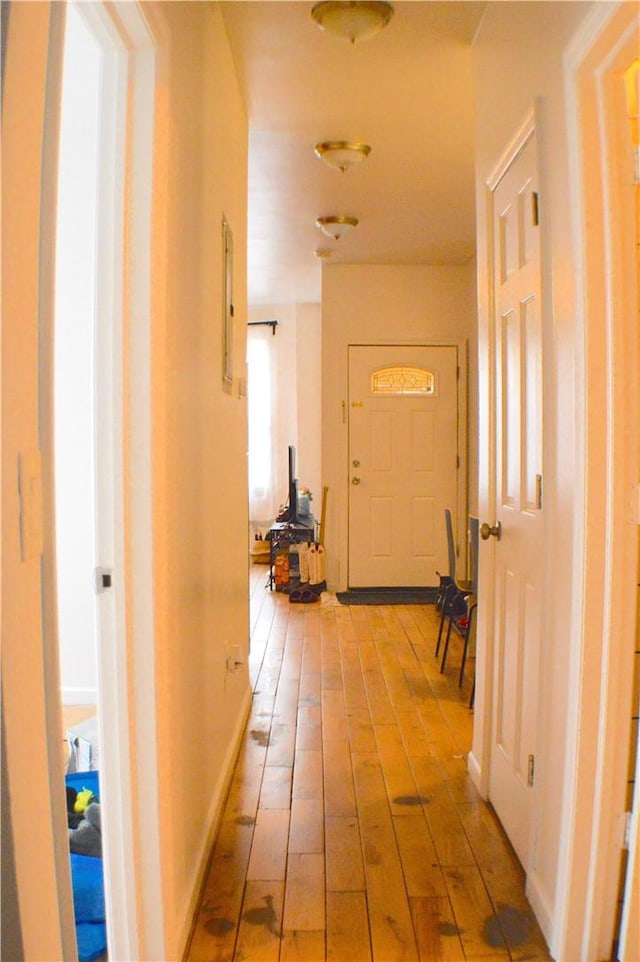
(336, 226)
(342, 154)
(352, 19)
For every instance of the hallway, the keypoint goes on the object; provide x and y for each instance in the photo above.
(352, 831)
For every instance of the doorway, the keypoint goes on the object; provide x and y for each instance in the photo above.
(403, 462)
(86, 405)
(74, 381)
(518, 519)
(100, 415)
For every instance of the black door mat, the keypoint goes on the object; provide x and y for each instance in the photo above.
(388, 596)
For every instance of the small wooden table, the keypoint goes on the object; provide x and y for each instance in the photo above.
(288, 532)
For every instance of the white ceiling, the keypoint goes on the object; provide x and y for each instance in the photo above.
(407, 92)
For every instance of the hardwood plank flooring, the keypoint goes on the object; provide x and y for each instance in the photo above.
(352, 831)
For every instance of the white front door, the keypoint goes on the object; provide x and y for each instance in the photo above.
(518, 473)
(403, 462)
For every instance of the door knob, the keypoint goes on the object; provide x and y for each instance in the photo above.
(355, 480)
(490, 531)
(356, 463)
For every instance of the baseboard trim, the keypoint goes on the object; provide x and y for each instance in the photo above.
(540, 905)
(475, 773)
(214, 818)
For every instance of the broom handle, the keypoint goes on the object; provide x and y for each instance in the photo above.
(323, 511)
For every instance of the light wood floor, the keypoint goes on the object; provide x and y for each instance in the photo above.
(352, 831)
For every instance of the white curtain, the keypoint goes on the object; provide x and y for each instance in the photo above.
(261, 392)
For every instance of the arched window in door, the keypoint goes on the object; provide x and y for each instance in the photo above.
(403, 380)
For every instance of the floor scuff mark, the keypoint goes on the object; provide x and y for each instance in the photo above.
(508, 924)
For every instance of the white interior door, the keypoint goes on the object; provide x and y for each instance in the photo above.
(518, 473)
(403, 462)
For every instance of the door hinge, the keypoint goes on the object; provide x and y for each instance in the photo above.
(531, 764)
(103, 579)
(626, 842)
(535, 208)
(635, 504)
(539, 492)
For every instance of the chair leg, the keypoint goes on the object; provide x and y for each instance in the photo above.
(445, 650)
(465, 647)
(446, 602)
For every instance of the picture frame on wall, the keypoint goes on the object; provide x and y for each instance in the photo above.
(227, 305)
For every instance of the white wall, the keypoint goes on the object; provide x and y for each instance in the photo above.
(74, 363)
(309, 391)
(384, 304)
(296, 351)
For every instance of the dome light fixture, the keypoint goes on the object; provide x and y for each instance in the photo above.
(336, 225)
(342, 154)
(352, 20)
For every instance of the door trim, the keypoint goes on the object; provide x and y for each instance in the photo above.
(607, 396)
(462, 500)
(46, 435)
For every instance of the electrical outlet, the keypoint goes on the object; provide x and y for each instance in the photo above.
(232, 657)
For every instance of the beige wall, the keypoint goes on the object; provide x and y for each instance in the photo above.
(200, 513)
(368, 304)
(518, 59)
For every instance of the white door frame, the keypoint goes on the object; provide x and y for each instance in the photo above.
(126, 676)
(461, 346)
(608, 399)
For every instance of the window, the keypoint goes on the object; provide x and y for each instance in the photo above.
(403, 380)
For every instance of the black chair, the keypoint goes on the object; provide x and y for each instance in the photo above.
(462, 605)
(451, 590)
(447, 581)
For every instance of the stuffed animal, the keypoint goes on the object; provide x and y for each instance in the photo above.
(86, 839)
(83, 800)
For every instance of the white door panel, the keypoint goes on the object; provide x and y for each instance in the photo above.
(403, 448)
(518, 554)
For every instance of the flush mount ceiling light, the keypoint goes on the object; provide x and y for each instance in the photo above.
(352, 19)
(342, 154)
(336, 226)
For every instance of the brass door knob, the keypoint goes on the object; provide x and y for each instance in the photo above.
(355, 480)
(490, 531)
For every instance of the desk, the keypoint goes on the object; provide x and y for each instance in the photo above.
(288, 532)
